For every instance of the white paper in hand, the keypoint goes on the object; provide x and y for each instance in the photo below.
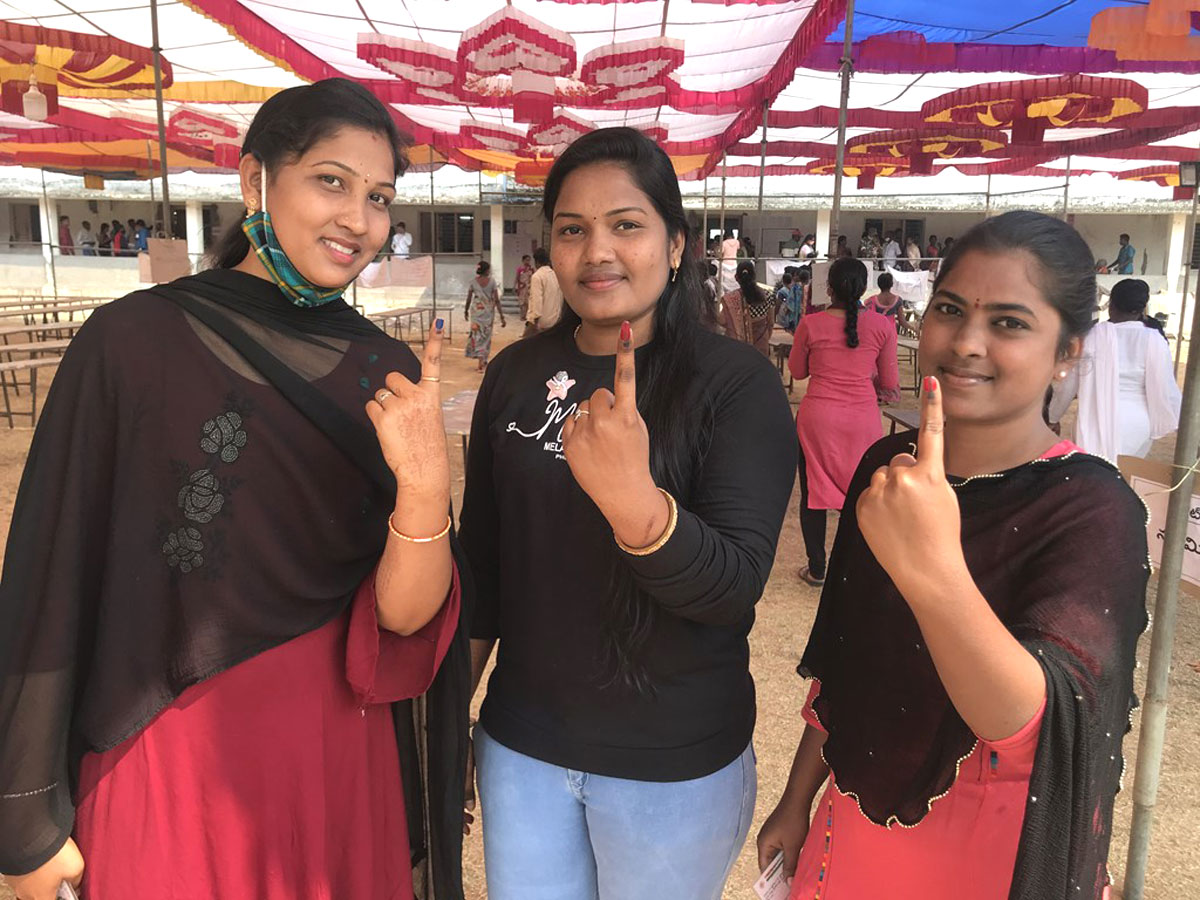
(772, 884)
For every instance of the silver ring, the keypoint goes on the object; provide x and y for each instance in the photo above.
(383, 395)
(580, 412)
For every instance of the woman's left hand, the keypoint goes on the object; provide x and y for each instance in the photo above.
(607, 447)
(909, 514)
(408, 422)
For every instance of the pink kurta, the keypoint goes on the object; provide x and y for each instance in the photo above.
(839, 417)
(278, 779)
(966, 845)
(969, 837)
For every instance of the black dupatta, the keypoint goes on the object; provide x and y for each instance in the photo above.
(1058, 548)
(203, 485)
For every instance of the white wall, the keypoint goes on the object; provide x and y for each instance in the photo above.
(1150, 236)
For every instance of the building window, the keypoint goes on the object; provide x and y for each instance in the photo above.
(453, 232)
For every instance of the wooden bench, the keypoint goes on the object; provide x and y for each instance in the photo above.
(48, 313)
(34, 349)
(24, 365)
(909, 419)
(49, 331)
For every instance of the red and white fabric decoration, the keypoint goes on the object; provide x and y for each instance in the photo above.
(510, 39)
(556, 135)
(533, 96)
(416, 62)
(492, 137)
(633, 64)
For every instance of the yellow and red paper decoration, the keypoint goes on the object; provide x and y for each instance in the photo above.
(865, 169)
(70, 64)
(920, 147)
(1029, 107)
(1166, 175)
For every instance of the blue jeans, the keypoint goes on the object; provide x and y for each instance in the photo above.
(551, 833)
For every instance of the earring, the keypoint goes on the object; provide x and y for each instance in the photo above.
(674, 274)
(1062, 373)
(251, 207)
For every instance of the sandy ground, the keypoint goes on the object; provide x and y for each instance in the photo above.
(784, 616)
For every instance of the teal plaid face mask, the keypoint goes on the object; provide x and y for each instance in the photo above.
(261, 234)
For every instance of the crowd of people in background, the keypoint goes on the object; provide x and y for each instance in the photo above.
(113, 239)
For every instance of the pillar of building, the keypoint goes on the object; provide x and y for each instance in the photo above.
(1176, 247)
(497, 231)
(194, 219)
(823, 221)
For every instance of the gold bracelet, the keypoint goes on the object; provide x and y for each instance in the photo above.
(428, 540)
(666, 535)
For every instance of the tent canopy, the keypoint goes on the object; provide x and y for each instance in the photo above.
(1002, 89)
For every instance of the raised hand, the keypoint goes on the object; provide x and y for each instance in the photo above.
(607, 447)
(909, 514)
(408, 423)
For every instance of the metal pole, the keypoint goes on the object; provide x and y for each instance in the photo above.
(150, 166)
(1067, 189)
(162, 124)
(835, 224)
(762, 174)
(987, 203)
(49, 239)
(1154, 712)
(1187, 279)
(704, 221)
(722, 196)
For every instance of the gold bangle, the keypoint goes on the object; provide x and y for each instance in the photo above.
(426, 540)
(663, 538)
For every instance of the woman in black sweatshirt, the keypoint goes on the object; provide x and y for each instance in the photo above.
(627, 480)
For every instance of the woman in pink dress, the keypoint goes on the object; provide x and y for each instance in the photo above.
(849, 357)
(230, 562)
(972, 681)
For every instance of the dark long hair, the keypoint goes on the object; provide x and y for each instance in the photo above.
(678, 431)
(1066, 268)
(747, 280)
(291, 122)
(848, 281)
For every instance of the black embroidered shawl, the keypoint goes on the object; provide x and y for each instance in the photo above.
(1058, 548)
(191, 500)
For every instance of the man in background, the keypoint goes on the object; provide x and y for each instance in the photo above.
(401, 241)
(86, 240)
(545, 296)
(1125, 256)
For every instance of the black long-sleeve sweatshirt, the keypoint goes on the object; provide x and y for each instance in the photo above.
(542, 555)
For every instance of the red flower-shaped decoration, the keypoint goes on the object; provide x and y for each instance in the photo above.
(1058, 101)
(492, 137)
(510, 39)
(189, 126)
(944, 144)
(864, 168)
(431, 70)
(556, 135)
(633, 64)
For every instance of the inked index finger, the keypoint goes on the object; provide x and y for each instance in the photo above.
(930, 440)
(431, 359)
(625, 379)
